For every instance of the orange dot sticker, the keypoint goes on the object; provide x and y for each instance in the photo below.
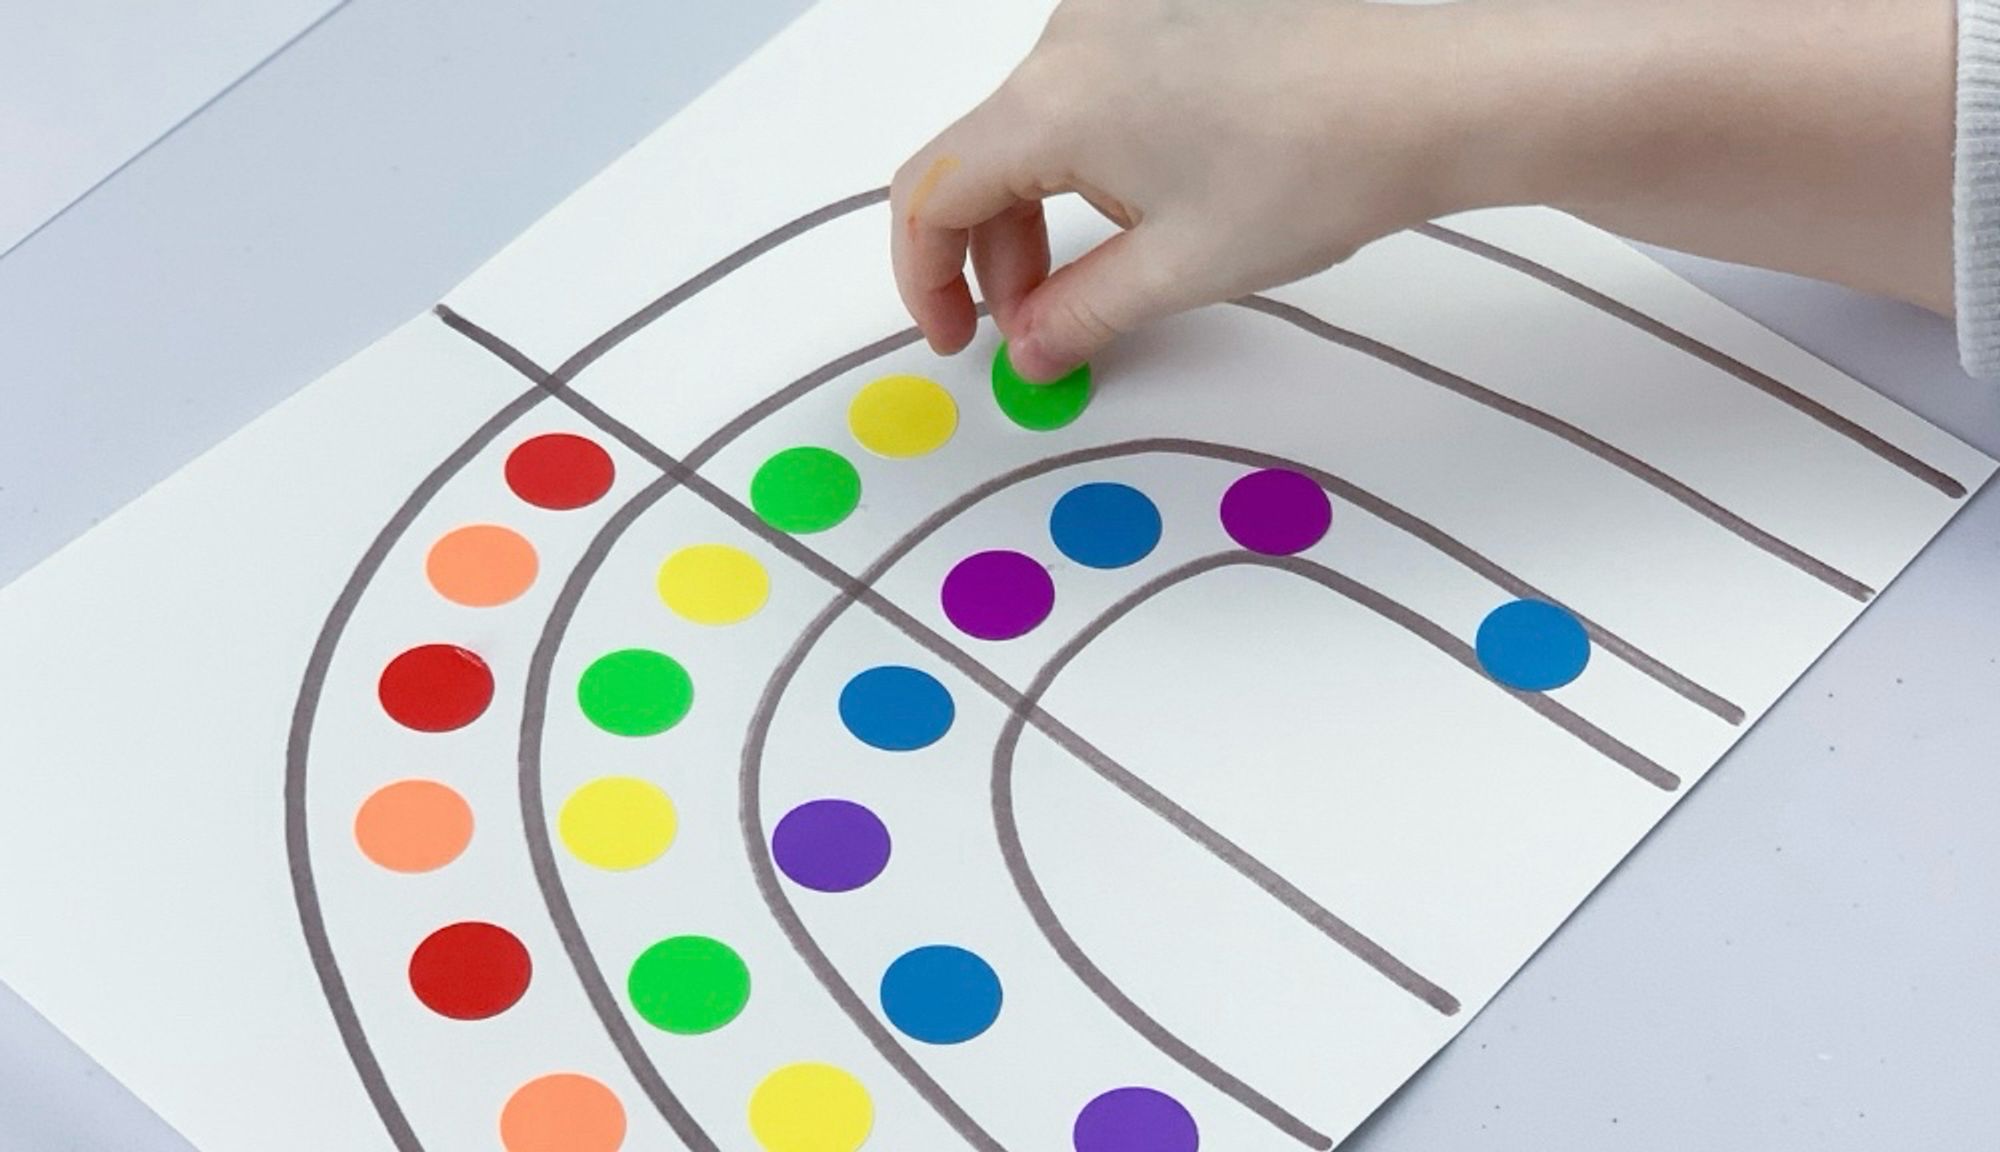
(564, 1112)
(413, 826)
(481, 565)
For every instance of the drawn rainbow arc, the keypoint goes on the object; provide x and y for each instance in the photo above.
(900, 1038)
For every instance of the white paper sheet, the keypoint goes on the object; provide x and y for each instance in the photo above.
(1261, 845)
(85, 85)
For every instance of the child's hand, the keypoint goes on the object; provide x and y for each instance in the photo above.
(1239, 144)
(1245, 143)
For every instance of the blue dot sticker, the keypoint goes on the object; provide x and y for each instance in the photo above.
(939, 994)
(896, 709)
(1532, 645)
(1105, 525)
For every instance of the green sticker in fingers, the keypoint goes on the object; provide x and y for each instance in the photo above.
(1039, 407)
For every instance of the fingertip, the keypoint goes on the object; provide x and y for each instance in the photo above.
(949, 341)
(960, 338)
(1038, 363)
(948, 317)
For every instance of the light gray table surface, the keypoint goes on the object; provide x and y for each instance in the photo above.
(1805, 955)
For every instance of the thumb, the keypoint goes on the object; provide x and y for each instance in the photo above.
(1086, 304)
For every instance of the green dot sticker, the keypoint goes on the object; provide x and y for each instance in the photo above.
(805, 489)
(635, 692)
(688, 985)
(1039, 407)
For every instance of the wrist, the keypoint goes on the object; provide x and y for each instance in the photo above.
(1811, 138)
(1544, 103)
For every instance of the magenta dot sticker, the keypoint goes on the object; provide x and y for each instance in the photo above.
(831, 845)
(1135, 1120)
(998, 595)
(1276, 511)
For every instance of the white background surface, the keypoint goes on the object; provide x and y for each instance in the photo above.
(87, 84)
(1802, 957)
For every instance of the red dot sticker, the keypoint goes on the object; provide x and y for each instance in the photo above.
(470, 970)
(435, 688)
(559, 471)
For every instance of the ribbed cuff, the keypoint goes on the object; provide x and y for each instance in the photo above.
(1976, 188)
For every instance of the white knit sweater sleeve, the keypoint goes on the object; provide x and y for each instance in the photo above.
(1976, 188)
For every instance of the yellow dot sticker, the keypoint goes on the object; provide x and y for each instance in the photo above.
(617, 823)
(714, 584)
(811, 1108)
(902, 416)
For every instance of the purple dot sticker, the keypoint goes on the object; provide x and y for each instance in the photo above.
(831, 845)
(998, 595)
(1277, 511)
(1135, 1120)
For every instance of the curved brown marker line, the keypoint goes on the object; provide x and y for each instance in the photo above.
(632, 325)
(548, 876)
(756, 845)
(1647, 665)
(541, 853)
(1362, 947)
(1028, 886)
(862, 590)
(305, 892)
(1306, 321)
(1395, 612)
(1707, 354)
(679, 473)
(298, 749)
(305, 709)
(1569, 433)
(534, 713)
(1354, 941)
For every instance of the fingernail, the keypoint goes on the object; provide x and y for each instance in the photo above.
(1033, 364)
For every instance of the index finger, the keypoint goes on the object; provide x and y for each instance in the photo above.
(974, 171)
